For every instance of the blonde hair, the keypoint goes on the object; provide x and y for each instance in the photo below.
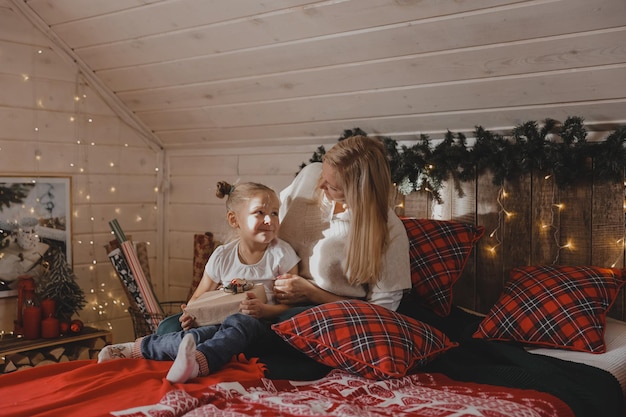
(362, 170)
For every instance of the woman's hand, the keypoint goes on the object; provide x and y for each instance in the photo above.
(186, 321)
(293, 289)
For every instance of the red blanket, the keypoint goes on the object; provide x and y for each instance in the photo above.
(86, 388)
(343, 394)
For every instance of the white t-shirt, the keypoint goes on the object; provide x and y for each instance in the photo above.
(319, 238)
(224, 265)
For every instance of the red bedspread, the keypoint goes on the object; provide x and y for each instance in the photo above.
(86, 388)
(342, 394)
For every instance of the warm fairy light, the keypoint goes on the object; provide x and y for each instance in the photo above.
(112, 189)
(502, 215)
(25, 77)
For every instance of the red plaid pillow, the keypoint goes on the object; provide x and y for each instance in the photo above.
(439, 250)
(556, 306)
(363, 338)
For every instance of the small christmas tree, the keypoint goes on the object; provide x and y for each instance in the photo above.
(59, 284)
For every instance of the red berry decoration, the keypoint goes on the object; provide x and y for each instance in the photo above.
(76, 326)
(65, 327)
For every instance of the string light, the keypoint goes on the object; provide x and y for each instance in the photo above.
(503, 214)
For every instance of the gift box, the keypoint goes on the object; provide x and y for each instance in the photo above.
(213, 307)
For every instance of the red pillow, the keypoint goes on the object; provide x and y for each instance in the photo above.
(439, 250)
(555, 306)
(363, 338)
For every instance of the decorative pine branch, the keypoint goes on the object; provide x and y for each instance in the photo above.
(59, 283)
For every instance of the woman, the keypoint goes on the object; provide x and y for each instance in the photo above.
(338, 216)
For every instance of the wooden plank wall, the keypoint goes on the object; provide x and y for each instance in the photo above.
(578, 225)
(592, 218)
(54, 124)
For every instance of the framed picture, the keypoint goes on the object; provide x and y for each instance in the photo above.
(35, 215)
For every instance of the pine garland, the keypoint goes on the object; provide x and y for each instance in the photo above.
(560, 150)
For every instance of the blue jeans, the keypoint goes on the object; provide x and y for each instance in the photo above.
(217, 343)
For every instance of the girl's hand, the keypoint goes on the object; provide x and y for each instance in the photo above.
(186, 321)
(252, 306)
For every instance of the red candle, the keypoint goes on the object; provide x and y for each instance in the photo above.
(48, 307)
(50, 328)
(32, 322)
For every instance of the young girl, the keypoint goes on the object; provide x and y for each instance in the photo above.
(257, 255)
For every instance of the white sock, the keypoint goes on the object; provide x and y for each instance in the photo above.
(119, 351)
(185, 365)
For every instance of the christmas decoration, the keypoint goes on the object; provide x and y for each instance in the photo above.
(76, 326)
(550, 149)
(64, 327)
(58, 283)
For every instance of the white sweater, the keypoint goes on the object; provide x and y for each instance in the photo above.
(319, 238)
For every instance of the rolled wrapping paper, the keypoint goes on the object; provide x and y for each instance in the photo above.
(203, 247)
(145, 288)
(141, 248)
(130, 285)
(117, 231)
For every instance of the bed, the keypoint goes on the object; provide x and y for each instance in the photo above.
(546, 348)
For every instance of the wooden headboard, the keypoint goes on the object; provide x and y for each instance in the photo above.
(529, 222)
